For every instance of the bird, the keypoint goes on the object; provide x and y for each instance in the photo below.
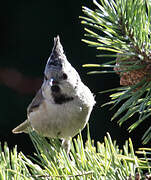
(62, 106)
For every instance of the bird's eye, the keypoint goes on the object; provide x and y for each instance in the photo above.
(45, 77)
(64, 76)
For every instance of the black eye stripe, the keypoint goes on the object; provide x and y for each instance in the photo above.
(64, 76)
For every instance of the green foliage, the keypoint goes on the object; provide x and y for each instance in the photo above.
(106, 161)
(126, 26)
(123, 27)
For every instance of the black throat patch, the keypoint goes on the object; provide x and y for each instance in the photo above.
(58, 97)
(61, 98)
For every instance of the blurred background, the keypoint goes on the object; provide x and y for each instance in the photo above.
(27, 29)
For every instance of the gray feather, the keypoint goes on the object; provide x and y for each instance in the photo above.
(35, 102)
(23, 127)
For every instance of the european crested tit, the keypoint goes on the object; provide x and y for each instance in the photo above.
(63, 104)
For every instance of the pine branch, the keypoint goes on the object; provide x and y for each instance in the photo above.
(122, 27)
(85, 161)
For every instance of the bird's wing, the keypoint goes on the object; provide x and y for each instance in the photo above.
(35, 102)
(32, 106)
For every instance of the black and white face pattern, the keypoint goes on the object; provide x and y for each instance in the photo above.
(60, 78)
(55, 90)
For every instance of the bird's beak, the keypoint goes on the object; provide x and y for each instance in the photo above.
(52, 82)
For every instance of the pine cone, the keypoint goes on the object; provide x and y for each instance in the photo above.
(137, 177)
(131, 77)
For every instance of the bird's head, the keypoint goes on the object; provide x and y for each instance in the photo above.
(59, 75)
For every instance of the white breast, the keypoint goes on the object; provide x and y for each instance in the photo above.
(62, 121)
